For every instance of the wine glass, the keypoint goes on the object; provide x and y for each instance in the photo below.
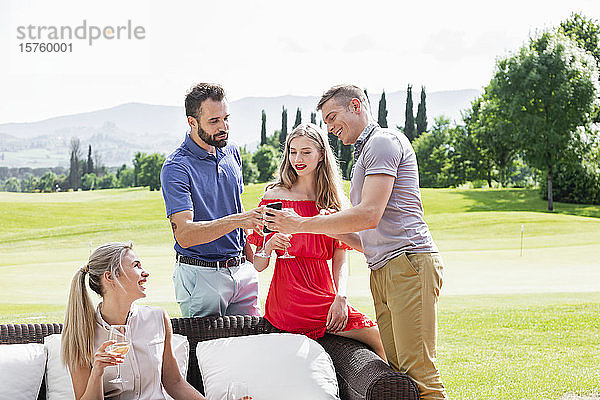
(120, 334)
(237, 390)
(286, 254)
(262, 253)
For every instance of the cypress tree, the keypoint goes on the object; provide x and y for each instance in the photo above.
(263, 129)
(421, 114)
(409, 124)
(313, 118)
(334, 143)
(367, 97)
(283, 133)
(298, 118)
(382, 116)
(74, 170)
(90, 164)
(346, 160)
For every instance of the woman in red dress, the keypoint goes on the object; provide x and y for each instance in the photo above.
(305, 295)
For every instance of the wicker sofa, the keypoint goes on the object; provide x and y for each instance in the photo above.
(360, 373)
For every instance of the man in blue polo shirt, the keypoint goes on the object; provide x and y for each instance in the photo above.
(202, 184)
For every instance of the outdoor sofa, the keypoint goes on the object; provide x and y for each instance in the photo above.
(361, 374)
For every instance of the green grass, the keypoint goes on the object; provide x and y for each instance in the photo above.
(520, 346)
(501, 335)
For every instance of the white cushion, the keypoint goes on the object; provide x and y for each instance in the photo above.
(181, 349)
(274, 366)
(21, 370)
(58, 380)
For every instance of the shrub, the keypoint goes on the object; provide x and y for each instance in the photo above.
(573, 182)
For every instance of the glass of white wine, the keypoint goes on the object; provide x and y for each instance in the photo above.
(286, 254)
(120, 334)
(238, 391)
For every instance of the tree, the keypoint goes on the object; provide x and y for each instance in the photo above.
(125, 177)
(435, 155)
(263, 129)
(29, 184)
(74, 170)
(421, 114)
(137, 162)
(90, 163)
(12, 185)
(382, 114)
(249, 170)
(265, 159)
(494, 132)
(368, 101)
(148, 169)
(346, 160)
(273, 140)
(334, 143)
(107, 181)
(298, 120)
(409, 121)
(586, 33)
(313, 117)
(97, 166)
(472, 147)
(88, 182)
(549, 89)
(576, 182)
(47, 182)
(283, 132)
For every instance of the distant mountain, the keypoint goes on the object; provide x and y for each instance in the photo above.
(117, 133)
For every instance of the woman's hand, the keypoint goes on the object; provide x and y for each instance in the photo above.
(337, 317)
(102, 359)
(279, 241)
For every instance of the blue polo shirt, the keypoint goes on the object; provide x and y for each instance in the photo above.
(193, 179)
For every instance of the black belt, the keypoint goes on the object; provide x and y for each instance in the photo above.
(231, 262)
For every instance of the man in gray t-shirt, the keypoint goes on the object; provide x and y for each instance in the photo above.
(401, 227)
(406, 268)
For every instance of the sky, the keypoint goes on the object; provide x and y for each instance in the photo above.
(255, 48)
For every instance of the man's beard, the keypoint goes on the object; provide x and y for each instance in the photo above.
(210, 139)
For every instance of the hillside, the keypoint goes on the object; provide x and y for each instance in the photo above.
(117, 133)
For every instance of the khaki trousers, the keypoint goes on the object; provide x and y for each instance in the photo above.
(405, 291)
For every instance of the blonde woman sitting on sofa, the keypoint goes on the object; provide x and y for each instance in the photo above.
(117, 275)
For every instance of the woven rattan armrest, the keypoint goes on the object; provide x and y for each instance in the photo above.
(361, 374)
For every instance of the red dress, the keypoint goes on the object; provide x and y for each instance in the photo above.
(302, 288)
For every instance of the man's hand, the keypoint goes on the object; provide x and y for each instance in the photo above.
(252, 219)
(337, 317)
(284, 221)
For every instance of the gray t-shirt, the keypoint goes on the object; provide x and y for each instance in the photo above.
(402, 227)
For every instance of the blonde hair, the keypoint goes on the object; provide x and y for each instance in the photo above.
(328, 181)
(78, 331)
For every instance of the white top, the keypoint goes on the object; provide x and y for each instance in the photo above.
(402, 227)
(142, 367)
